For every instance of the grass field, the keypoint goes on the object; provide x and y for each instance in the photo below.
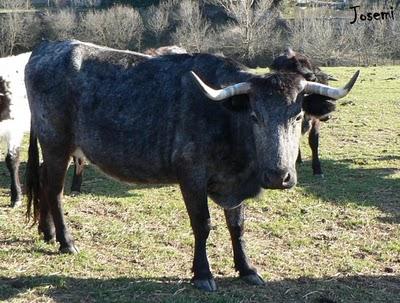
(328, 240)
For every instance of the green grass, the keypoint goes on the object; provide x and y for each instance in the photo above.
(335, 239)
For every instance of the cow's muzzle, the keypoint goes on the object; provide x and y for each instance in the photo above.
(279, 179)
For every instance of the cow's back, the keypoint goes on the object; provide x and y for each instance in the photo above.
(59, 77)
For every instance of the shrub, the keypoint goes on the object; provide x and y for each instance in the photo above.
(119, 27)
(15, 4)
(61, 25)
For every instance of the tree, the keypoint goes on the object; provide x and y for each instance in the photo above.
(193, 31)
(319, 37)
(11, 25)
(157, 19)
(252, 31)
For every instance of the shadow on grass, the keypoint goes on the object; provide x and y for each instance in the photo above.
(342, 184)
(125, 289)
(364, 186)
(387, 158)
(94, 182)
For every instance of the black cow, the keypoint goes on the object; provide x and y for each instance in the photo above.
(157, 122)
(291, 61)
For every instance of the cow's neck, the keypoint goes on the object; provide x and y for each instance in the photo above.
(237, 178)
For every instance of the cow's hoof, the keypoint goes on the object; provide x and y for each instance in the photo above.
(75, 193)
(205, 284)
(15, 204)
(253, 279)
(71, 249)
(320, 176)
(49, 239)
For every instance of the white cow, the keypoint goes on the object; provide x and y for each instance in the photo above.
(14, 116)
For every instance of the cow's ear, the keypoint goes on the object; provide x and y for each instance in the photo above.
(237, 103)
(318, 106)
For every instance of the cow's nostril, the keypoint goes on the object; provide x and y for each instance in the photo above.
(278, 179)
(287, 179)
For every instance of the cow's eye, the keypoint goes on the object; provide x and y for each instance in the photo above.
(254, 117)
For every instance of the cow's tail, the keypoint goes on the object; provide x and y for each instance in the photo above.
(32, 178)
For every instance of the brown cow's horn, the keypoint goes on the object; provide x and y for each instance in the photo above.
(332, 78)
(289, 53)
(331, 92)
(223, 93)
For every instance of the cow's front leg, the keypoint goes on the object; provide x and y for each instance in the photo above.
(299, 159)
(77, 177)
(235, 221)
(195, 197)
(12, 162)
(313, 140)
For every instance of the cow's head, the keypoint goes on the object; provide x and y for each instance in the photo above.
(275, 110)
(295, 62)
(291, 61)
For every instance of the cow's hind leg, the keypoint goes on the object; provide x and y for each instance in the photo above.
(54, 171)
(46, 223)
(77, 178)
(235, 221)
(12, 162)
(195, 197)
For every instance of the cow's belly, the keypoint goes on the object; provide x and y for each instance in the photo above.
(141, 160)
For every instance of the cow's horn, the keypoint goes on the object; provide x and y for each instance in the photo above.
(224, 93)
(331, 92)
(332, 78)
(289, 53)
